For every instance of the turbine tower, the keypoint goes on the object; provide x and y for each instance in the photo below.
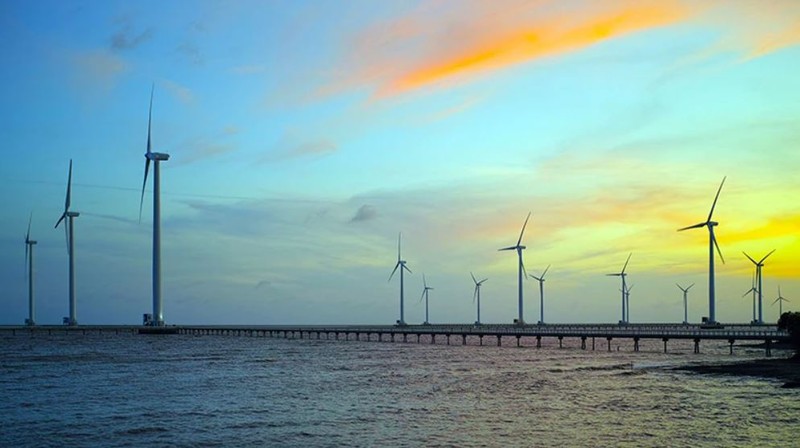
(519, 248)
(29, 243)
(156, 158)
(622, 275)
(780, 301)
(754, 291)
(425, 290)
(67, 217)
(759, 264)
(685, 302)
(402, 265)
(712, 243)
(477, 294)
(627, 293)
(540, 279)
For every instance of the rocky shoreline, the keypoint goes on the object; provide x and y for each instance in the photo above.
(785, 369)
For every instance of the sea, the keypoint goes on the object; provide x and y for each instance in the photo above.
(108, 390)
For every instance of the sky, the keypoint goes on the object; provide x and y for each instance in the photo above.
(304, 136)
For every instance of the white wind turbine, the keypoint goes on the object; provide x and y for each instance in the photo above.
(402, 265)
(759, 264)
(685, 301)
(780, 301)
(627, 293)
(425, 290)
(754, 291)
(157, 158)
(67, 217)
(521, 268)
(622, 274)
(29, 243)
(540, 279)
(477, 294)
(712, 242)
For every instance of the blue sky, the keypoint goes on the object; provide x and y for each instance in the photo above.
(305, 135)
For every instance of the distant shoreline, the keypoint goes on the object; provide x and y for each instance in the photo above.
(783, 369)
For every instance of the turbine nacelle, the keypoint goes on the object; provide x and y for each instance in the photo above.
(157, 156)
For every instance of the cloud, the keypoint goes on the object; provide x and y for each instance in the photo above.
(182, 93)
(365, 213)
(99, 68)
(191, 53)
(308, 149)
(125, 38)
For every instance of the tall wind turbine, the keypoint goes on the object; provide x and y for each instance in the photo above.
(519, 248)
(712, 242)
(67, 217)
(540, 279)
(425, 290)
(156, 158)
(759, 264)
(685, 302)
(754, 291)
(477, 294)
(29, 243)
(402, 265)
(622, 275)
(780, 301)
(627, 293)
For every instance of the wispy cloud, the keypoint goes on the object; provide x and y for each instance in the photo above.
(365, 213)
(126, 38)
(99, 68)
(181, 92)
(289, 148)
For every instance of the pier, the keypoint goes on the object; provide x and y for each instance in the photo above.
(600, 336)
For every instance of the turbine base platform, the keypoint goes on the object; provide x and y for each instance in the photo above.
(158, 330)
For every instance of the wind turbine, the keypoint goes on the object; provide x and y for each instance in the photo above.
(425, 295)
(622, 275)
(29, 243)
(759, 264)
(627, 293)
(712, 242)
(67, 217)
(477, 294)
(540, 279)
(402, 265)
(780, 301)
(156, 158)
(754, 291)
(685, 302)
(518, 247)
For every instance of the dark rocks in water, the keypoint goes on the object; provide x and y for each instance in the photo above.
(780, 369)
(791, 385)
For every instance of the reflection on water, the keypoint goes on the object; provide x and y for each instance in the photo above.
(127, 390)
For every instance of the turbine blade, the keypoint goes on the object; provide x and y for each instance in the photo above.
(613, 275)
(690, 287)
(481, 282)
(424, 283)
(524, 272)
(398, 245)
(519, 241)
(28, 233)
(473, 277)
(407, 269)
(150, 117)
(69, 188)
(626, 263)
(696, 226)
(423, 295)
(545, 271)
(750, 258)
(393, 271)
(144, 183)
(535, 277)
(715, 198)
(776, 300)
(765, 256)
(63, 215)
(714, 239)
(679, 286)
(475, 294)
(508, 248)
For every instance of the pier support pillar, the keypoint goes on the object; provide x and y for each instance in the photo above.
(636, 344)
(358, 336)
(418, 338)
(518, 337)
(463, 339)
(391, 335)
(498, 340)
(665, 344)
(560, 341)
(480, 339)
(583, 342)
(609, 342)
(405, 337)
(768, 346)
(448, 338)
(538, 342)
(730, 343)
(433, 338)
(696, 346)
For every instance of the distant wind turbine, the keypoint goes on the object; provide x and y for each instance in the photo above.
(622, 274)
(759, 264)
(67, 217)
(156, 158)
(425, 290)
(540, 279)
(402, 265)
(780, 301)
(477, 294)
(29, 243)
(685, 302)
(754, 291)
(712, 242)
(521, 268)
(627, 293)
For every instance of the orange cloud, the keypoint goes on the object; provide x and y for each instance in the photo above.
(498, 48)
